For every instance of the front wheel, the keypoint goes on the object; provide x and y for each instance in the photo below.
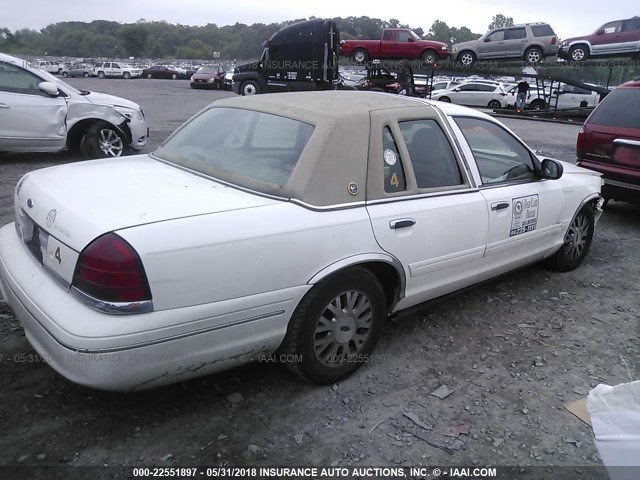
(65, 74)
(250, 87)
(126, 75)
(578, 53)
(445, 99)
(101, 75)
(102, 140)
(174, 76)
(85, 74)
(429, 56)
(537, 105)
(335, 327)
(577, 241)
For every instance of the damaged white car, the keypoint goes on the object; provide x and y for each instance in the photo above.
(40, 113)
(292, 221)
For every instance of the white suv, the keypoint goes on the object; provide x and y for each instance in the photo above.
(41, 113)
(116, 69)
(48, 66)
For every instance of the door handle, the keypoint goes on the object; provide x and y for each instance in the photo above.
(499, 205)
(401, 223)
(4, 105)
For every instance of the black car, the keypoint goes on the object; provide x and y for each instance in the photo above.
(160, 71)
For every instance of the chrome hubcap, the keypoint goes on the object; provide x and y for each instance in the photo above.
(467, 59)
(534, 56)
(249, 90)
(110, 143)
(359, 57)
(343, 328)
(578, 54)
(576, 238)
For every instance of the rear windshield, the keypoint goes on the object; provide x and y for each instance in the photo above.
(235, 144)
(542, 30)
(619, 109)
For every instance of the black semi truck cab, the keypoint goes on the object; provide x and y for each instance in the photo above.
(301, 56)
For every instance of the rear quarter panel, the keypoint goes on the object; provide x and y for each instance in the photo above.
(210, 258)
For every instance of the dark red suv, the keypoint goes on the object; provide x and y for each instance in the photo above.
(609, 142)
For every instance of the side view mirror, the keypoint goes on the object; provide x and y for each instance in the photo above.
(487, 39)
(551, 169)
(456, 89)
(49, 88)
(411, 39)
(600, 31)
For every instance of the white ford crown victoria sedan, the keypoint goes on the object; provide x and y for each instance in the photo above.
(292, 222)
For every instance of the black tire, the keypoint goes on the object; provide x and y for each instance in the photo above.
(126, 75)
(444, 99)
(193, 86)
(174, 76)
(101, 75)
(323, 350)
(85, 74)
(579, 53)
(537, 105)
(467, 58)
(429, 56)
(102, 140)
(360, 55)
(494, 104)
(533, 55)
(65, 74)
(149, 76)
(577, 241)
(249, 87)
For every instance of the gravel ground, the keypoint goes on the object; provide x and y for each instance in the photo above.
(511, 353)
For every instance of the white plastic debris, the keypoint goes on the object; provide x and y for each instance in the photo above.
(615, 417)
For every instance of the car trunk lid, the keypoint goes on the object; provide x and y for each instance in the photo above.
(78, 202)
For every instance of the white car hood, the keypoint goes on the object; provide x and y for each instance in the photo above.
(95, 197)
(110, 100)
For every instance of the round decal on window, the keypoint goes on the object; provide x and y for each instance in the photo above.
(390, 157)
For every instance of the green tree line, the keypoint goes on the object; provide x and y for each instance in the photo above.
(160, 39)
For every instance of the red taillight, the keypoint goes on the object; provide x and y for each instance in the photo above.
(554, 40)
(109, 269)
(580, 144)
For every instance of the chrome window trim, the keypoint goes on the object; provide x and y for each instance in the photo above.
(422, 195)
(112, 308)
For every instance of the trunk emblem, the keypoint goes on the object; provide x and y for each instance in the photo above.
(30, 203)
(51, 217)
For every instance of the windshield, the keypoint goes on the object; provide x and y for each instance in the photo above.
(208, 70)
(415, 35)
(236, 145)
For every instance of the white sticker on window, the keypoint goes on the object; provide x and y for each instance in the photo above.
(524, 214)
(390, 157)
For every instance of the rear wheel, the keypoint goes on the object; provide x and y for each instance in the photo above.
(579, 53)
(360, 55)
(335, 327)
(533, 55)
(494, 104)
(577, 241)
(467, 58)
(102, 140)
(149, 75)
(250, 87)
(65, 74)
(85, 74)
(445, 99)
(174, 76)
(537, 105)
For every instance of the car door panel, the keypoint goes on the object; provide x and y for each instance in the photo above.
(442, 237)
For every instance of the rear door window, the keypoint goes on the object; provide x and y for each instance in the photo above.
(515, 34)
(616, 109)
(632, 25)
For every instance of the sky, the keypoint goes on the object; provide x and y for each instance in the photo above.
(567, 17)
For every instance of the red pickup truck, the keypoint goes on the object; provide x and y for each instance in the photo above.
(394, 43)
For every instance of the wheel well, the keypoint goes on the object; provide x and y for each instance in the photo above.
(389, 279)
(74, 136)
(536, 46)
(584, 45)
(429, 50)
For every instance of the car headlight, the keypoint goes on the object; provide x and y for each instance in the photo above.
(444, 47)
(130, 113)
(211, 80)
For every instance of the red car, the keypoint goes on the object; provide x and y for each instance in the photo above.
(609, 143)
(395, 43)
(617, 38)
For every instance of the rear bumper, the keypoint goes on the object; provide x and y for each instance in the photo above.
(619, 183)
(92, 349)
